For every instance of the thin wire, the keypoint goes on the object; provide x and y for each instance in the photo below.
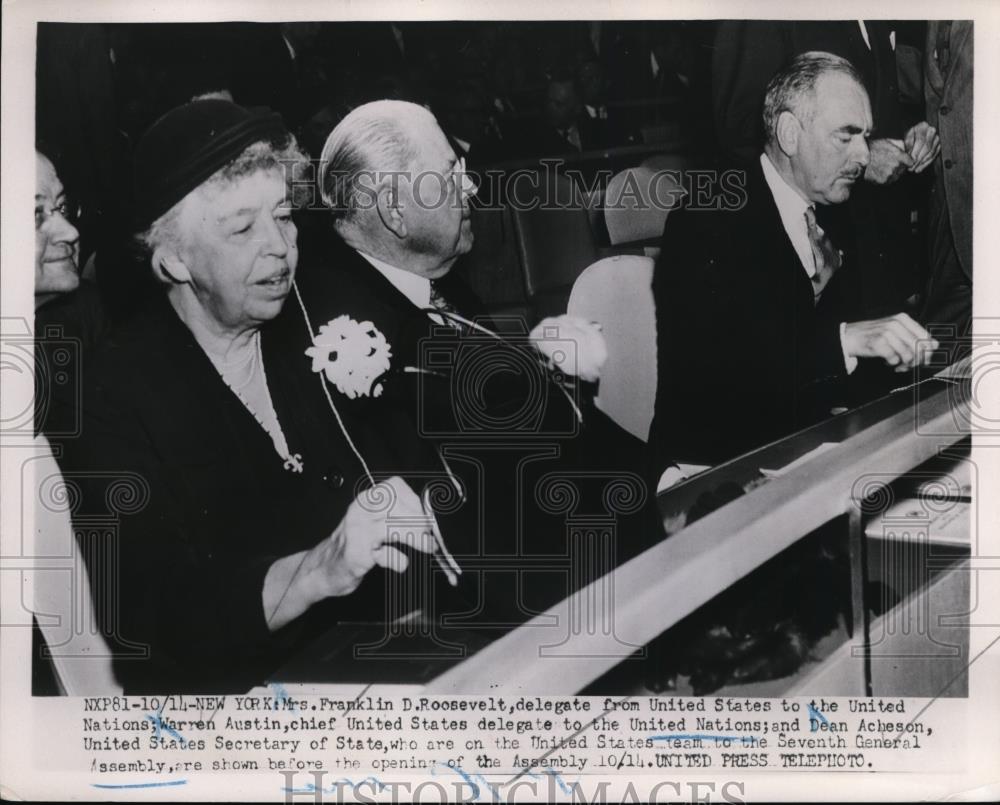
(474, 326)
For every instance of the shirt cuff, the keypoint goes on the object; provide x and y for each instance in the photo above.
(850, 362)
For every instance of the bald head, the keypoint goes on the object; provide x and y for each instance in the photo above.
(396, 188)
(374, 139)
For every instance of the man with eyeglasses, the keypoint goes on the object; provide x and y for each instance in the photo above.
(506, 410)
(69, 317)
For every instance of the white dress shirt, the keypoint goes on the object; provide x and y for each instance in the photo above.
(792, 209)
(868, 44)
(414, 287)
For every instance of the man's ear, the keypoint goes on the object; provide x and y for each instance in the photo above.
(169, 266)
(787, 131)
(386, 200)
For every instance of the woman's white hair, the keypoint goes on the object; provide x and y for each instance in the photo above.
(258, 156)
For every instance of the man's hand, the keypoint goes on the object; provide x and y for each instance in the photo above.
(923, 145)
(550, 337)
(336, 566)
(888, 161)
(898, 340)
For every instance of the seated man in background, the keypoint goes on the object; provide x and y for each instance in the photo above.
(508, 412)
(759, 321)
(565, 127)
(69, 317)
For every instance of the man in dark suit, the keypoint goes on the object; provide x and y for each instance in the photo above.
(948, 92)
(902, 144)
(759, 323)
(565, 127)
(507, 411)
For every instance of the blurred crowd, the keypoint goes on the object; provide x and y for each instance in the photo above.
(503, 91)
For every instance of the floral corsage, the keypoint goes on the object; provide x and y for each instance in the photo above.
(353, 355)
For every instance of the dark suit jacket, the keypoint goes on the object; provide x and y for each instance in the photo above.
(744, 355)
(335, 279)
(948, 94)
(185, 505)
(505, 426)
(67, 327)
(748, 53)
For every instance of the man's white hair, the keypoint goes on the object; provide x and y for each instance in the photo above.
(793, 87)
(372, 141)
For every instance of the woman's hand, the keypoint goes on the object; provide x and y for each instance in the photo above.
(365, 537)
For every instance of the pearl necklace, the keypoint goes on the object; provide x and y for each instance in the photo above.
(257, 377)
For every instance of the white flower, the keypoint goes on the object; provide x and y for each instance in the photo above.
(572, 344)
(352, 355)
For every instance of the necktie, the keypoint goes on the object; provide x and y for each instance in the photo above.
(448, 310)
(827, 258)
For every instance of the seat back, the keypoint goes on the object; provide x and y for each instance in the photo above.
(60, 587)
(554, 239)
(656, 133)
(616, 292)
(667, 162)
(492, 268)
(637, 202)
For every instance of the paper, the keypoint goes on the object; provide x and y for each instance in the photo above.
(921, 520)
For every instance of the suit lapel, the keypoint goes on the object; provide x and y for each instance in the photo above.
(782, 262)
(932, 73)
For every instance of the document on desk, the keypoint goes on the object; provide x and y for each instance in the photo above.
(924, 520)
(953, 483)
(959, 370)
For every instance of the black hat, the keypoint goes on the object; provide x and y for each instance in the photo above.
(190, 143)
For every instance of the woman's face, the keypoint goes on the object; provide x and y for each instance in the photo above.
(238, 243)
(57, 243)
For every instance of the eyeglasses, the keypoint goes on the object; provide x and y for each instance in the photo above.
(68, 212)
(463, 181)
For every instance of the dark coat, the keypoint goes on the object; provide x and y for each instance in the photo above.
(948, 93)
(748, 53)
(744, 355)
(949, 108)
(505, 427)
(67, 328)
(185, 505)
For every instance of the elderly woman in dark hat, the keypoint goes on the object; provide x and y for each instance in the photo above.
(237, 510)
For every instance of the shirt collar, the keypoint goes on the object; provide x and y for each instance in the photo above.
(792, 209)
(414, 287)
(785, 196)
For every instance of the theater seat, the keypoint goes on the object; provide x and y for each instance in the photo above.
(616, 292)
(492, 268)
(637, 202)
(554, 239)
(58, 586)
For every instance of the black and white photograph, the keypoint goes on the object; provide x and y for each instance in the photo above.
(499, 397)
